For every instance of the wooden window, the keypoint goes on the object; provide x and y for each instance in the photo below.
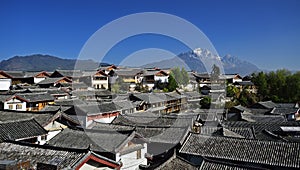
(10, 107)
(19, 106)
(44, 137)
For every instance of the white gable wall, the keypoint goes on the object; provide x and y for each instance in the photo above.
(5, 84)
(38, 79)
(12, 105)
(97, 84)
(163, 79)
(130, 160)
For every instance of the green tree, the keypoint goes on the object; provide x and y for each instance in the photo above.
(205, 102)
(260, 80)
(246, 98)
(172, 85)
(115, 88)
(180, 76)
(293, 88)
(185, 76)
(232, 91)
(230, 104)
(119, 86)
(177, 75)
(281, 83)
(278, 86)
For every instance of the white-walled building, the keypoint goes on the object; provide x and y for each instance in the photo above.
(28, 101)
(88, 113)
(128, 148)
(5, 81)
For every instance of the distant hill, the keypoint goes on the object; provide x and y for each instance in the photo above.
(192, 61)
(233, 64)
(38, 62)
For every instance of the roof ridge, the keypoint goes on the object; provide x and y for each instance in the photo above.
(17, 121)
(231, 164)
(46, 146)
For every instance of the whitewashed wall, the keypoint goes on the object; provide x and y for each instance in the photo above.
(5, 84)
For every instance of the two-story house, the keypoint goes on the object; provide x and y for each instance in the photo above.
(28, 101)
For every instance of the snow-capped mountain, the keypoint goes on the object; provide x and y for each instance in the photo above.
(233, 64)
(204, 53)
(193, 60)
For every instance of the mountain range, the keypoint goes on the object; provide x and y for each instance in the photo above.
(191, 60)
(38, 62)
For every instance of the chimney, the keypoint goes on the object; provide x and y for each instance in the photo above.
(197, 127)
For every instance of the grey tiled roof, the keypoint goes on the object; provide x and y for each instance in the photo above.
(150, 72)
(209, 114)
(34, 73)
(201, 75)
(176, 163)
(100, 141)
(41, 118)
(172, 135)
(110, 127)
(218, 165)
(149, 119)
(150, 97)
(91, 109)
(228, 132)
(121, 97)
(43, 154)
(283, 110)
(3, 97)
(281, 154)
(69, 102)
(192, 94)
(68, 73)
(153, 134)
(79, 85)
(125, 104)
(83, 93)
(263, 118)
(35, 97)
(260, 128)
(16, 74)
(245, 132)
(102, 92)
(258, 111)
(53, 91)
(286, 105)
(162, 129)
(92, 93)
(21, 130)
(211, 130)
(50, 80)
(128, 72)
(50, 108)
(89, 73)
(265, 105)
(174, 95)
(241, 108)
(268, 104)
(156, 97)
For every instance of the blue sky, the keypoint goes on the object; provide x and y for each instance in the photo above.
(264, 32)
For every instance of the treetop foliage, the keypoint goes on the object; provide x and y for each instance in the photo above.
(181, 76)
(278, 86)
